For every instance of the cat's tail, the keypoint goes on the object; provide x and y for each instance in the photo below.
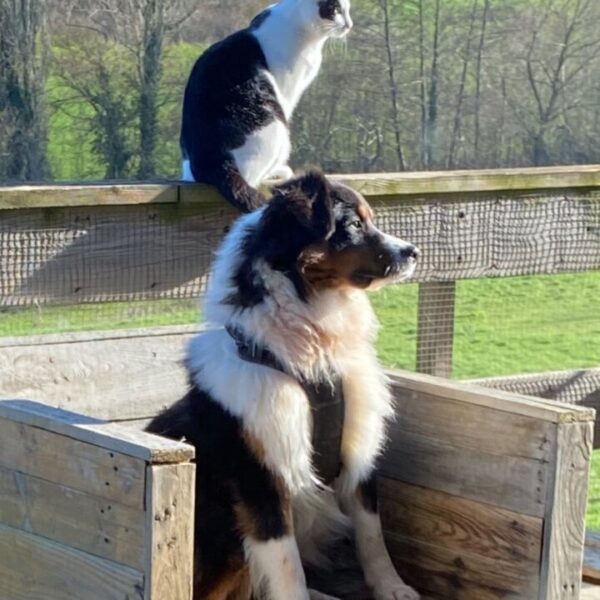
(237, 190)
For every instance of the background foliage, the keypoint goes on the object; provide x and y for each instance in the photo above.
(92, 90)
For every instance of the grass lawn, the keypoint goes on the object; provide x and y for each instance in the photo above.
(503, 326)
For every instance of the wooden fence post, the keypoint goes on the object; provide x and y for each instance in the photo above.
(435, 329)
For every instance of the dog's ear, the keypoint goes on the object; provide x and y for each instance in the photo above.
(304, 204)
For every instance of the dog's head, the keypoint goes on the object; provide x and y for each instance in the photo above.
(322, 235)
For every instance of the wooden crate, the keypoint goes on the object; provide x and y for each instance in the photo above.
(483, 492)
(91, 510)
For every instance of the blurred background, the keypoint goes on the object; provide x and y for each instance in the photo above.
(92, 89)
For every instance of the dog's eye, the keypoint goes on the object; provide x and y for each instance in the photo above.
(357, 224)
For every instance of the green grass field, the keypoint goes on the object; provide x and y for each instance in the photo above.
(504, 326)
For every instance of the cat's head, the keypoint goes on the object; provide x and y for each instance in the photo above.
(334, 15)
(329, 18)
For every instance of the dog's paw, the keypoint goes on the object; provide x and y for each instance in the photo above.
(314, 595)
(395, 590)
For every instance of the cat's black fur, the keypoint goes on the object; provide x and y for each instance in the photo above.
(227, 97)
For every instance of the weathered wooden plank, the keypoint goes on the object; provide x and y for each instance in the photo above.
(564, 529)
(371, 185)
(460, 524)
(47, 196)
(589, 592)
(435, 328)
(78, 465)
(513, 483)
(108, 436)
(581, 387)
(469, 425)
(34, 568)
(170, 528)
(76, 519)
(115, 377)
(495, 399)
(448, 574)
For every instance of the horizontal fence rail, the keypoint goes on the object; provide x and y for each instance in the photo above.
(73, 245)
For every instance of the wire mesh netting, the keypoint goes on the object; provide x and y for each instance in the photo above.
(507, 284)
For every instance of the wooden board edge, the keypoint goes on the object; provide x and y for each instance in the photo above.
(527, 406)
(109, 436)
(170, 502)
(372, 185)
(564, 521)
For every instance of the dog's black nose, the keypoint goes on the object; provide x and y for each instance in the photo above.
(410, 252)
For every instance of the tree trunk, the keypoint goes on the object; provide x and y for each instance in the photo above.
(22, 94)
(432, 104)
(400, 164)
(150, 71)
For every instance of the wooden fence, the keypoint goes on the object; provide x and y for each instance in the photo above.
(74, 245)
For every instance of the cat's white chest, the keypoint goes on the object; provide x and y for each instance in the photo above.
(292, 65)
(293, 79)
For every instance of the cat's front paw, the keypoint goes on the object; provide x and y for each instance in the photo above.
(394, 589)
(283, 172)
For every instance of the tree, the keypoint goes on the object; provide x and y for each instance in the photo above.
(23, 75)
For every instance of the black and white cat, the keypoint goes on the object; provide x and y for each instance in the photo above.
(243, 90)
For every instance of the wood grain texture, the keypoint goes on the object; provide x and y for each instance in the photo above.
(513, 483)
(47, 196)
(496, 399)
(76, 519)
(469, 425)
(34, 568)
(116, 377)
(435, 328)
(447, 574)
(108, 436)
(371, 185)
(459, 524)
(71, 463)
(564, 531)
(170, 529)
(580, 387)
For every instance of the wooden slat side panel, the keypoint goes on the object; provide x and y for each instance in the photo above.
(446, 574)
(565, 514)
(470, 426)
(513, 483)
(93, 525)
(108, 436)
(499, 400)
(33, 568)
(170, 527)
(84, 467)
(461, 525)
(119, 378)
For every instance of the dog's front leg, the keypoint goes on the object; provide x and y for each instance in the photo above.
(276, 568)
(373, 556)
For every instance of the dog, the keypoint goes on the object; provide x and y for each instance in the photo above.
(288, 403)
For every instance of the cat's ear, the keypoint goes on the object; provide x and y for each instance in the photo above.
(306, 202)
